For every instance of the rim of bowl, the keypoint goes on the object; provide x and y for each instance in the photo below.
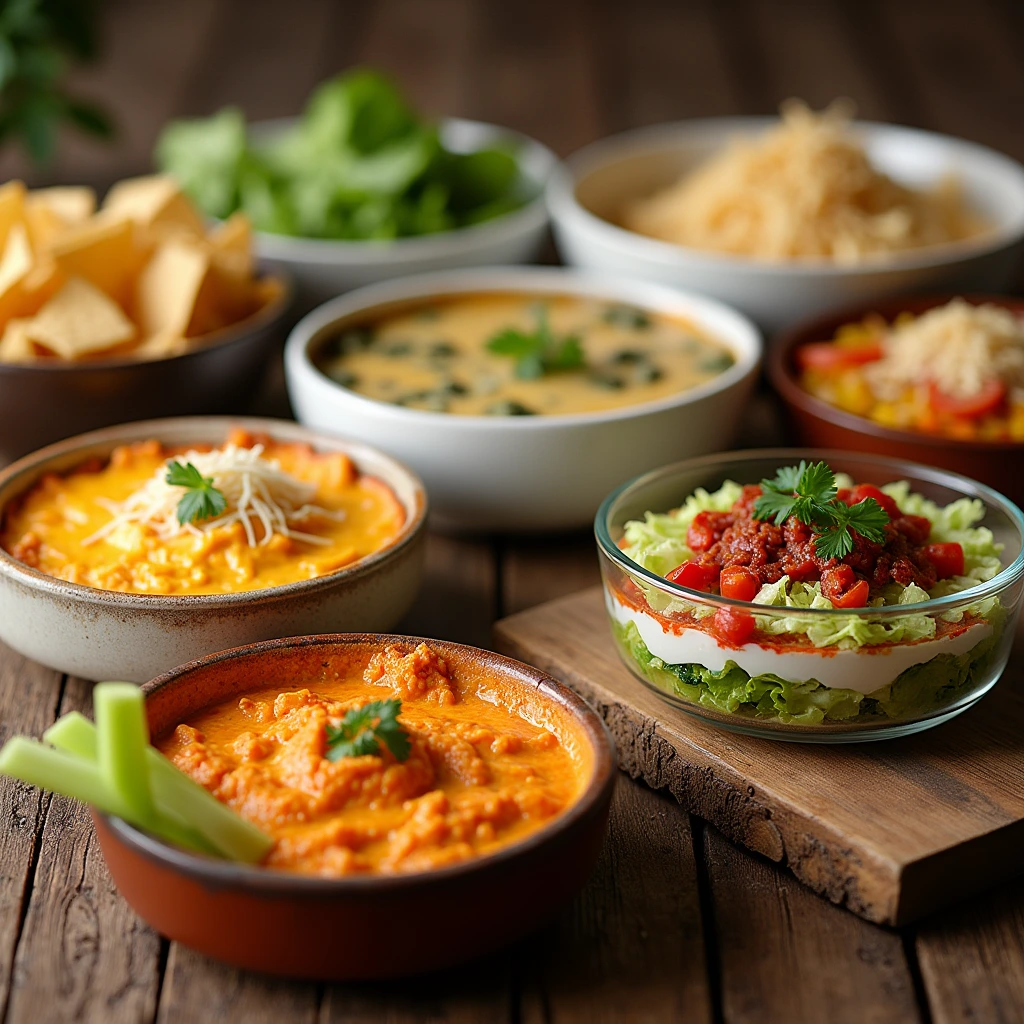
(564, 205)
(589, 722)
(904, 469)
(778, 366)
(272, 312)
(536, 163)
(36, 462)
(739, 335)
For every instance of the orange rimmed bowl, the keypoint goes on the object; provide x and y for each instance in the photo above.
(366, 926)
(815, 423)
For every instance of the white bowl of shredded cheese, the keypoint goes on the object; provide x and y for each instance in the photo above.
(785, 228)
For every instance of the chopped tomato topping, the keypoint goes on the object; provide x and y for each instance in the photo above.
(862, 491)
(836, 581)
(694, 575)
(987, 400)
(948, 559)
(739, 583)
(915, 528)
(855, 597)
(701, 535)
(734, 626)
(828, 357)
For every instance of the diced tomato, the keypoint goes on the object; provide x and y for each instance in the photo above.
(915, 528)
(801, 572)
(845, 495)
(948, 559)
(862, 491)
(694, 575)
(734, 626)
(988, 399)
(836, 581)
(828, 357)
(738, 583)
(701, 535)
(855, 597)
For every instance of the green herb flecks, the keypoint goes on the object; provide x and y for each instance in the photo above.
(364, 729)
(201, 499)
(808, 492)
(539, 351)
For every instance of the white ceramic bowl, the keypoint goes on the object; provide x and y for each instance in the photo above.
(103, 634)
(323, 268)
(525, 472)
(587, 193)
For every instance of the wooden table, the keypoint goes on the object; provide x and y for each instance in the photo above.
(676, 922)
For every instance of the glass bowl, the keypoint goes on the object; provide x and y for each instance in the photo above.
(778, 684)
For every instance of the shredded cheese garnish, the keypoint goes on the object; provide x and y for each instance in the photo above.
(804, 189)
(958, 346)
(258, 492)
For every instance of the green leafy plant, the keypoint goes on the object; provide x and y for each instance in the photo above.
(538, 351)
(362, 731)
(201, 499)
(38, 40)
(808, 492)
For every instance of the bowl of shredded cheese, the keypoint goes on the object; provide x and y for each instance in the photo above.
(937, 378)
(788, 217)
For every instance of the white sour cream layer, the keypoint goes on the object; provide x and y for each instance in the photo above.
(863, 669)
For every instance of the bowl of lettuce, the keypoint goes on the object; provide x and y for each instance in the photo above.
(788, 661)
(360, 188)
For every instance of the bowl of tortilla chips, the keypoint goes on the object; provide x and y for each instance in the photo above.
(125, 311)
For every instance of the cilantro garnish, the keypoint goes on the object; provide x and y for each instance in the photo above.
(201, 499)
(808, 492)
(362, 730)
(538, 352)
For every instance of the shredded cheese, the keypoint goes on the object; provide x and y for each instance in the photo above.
(958, 346)
(260, 496)
(803, 189)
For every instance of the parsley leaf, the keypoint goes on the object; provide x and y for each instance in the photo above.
(538, 352)
(362, 730)
(201, 499)
(808, 492)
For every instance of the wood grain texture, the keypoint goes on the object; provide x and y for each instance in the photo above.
(884, 829)
(83, 954)
(972, 960)
(786, 955)
(631, 946)
(539, 569)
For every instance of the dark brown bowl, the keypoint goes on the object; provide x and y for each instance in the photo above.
(359, 927)
(815, 423)
(45, 402)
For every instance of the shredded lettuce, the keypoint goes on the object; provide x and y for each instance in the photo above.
(658, 543)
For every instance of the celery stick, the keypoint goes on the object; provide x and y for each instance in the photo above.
(60, 772)
(122, 737)
(178, 798)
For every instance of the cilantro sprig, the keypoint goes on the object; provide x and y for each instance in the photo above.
(539, 351)
(201, 499)
(808, 492)
(362, 731)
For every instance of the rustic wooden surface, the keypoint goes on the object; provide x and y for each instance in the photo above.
(892, 831)
(677, 923)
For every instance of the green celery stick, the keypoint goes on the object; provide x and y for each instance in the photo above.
(177, 797)
(122, 736)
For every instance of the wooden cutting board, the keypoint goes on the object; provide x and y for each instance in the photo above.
(892, 830)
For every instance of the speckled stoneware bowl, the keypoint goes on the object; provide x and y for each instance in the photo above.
(103, 634)
(369, 926)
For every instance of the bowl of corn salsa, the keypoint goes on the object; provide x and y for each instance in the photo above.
(875, 379)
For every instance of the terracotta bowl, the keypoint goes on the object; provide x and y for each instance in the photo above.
(357, 927)
(104, 634)
(44, 402)
(815, 423)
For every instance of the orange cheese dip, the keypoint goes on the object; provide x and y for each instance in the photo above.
(53, 527)
(489, 764)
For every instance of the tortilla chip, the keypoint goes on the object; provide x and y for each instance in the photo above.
(12, 207)
(73, 204)
(167, 288)
(161, 346)
(154, 201)
(104, 252)
(231, 245)
(40, 285)
(16, 344)
(79, 320)
(15, 265)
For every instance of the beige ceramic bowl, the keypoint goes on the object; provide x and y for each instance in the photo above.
(102, 634)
